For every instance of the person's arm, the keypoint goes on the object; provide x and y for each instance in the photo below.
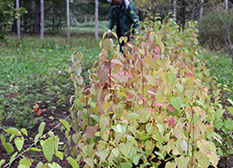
(133, 16)
(111, 20)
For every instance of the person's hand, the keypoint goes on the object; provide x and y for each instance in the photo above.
(109, 32)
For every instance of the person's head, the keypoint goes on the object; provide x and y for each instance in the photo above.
(117, 2)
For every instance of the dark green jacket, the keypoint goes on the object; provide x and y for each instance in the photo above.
(128, 17)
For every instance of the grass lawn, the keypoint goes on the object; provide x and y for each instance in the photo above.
(34, 80)
(220, 66)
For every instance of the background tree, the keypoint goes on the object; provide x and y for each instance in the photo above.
(68, 18)
(96, 18)
(41, 19)
(18, 20)
(7, 15)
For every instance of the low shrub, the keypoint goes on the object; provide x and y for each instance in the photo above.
(149, 107)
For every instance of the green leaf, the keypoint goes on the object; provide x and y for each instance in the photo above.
(126, 165)
(2, 162)
(176, 102)
(41, 129)
(172, 77)
(8, 147)
(19, 143)
(13, 157)
(160, 127)
(125, 148)
(102, 155)
(133, 116)
(228, 124)
(180, 87)
(26, 162)
(66, 124)
(35, 149)
(136, 159)
(230, 110)
(144, 114)
(95, 117)
(60, 155)
(39, 165)
(119, 128)
(218, 125)
(118, 109)
(14, 131)
(48, 150)
(3, 139)
(36, 138)
(89, 162)
(219, 113)
(104, 121)
(184, 145)
(54, 165)
(116, 151)
(24, 131)
(159, 154)
(230, 101)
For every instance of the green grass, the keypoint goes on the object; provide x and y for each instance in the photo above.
(35, 72)
(221, 68)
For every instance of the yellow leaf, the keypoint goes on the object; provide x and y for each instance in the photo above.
(213, 158)
(162, 47)
(203, 146)
(105, 107)
(204, 161)
(182, 162)
(170, 165)
(130, 56)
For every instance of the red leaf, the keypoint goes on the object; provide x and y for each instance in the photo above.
(158, 104)
(102, 75)
(91, 131)
(157, 50)
(171, 108)
(171, 122)
(38, 113)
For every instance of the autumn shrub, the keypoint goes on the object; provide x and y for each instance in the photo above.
(148, 107)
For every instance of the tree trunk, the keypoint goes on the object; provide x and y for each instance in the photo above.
(68, 18)
(96, 18)
(201, 10)
(37, 17)
(41, 19)
(226, 5)
(18, 21)
(174, 9)
(183, 13)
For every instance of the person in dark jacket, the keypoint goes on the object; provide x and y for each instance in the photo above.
(123, 14)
